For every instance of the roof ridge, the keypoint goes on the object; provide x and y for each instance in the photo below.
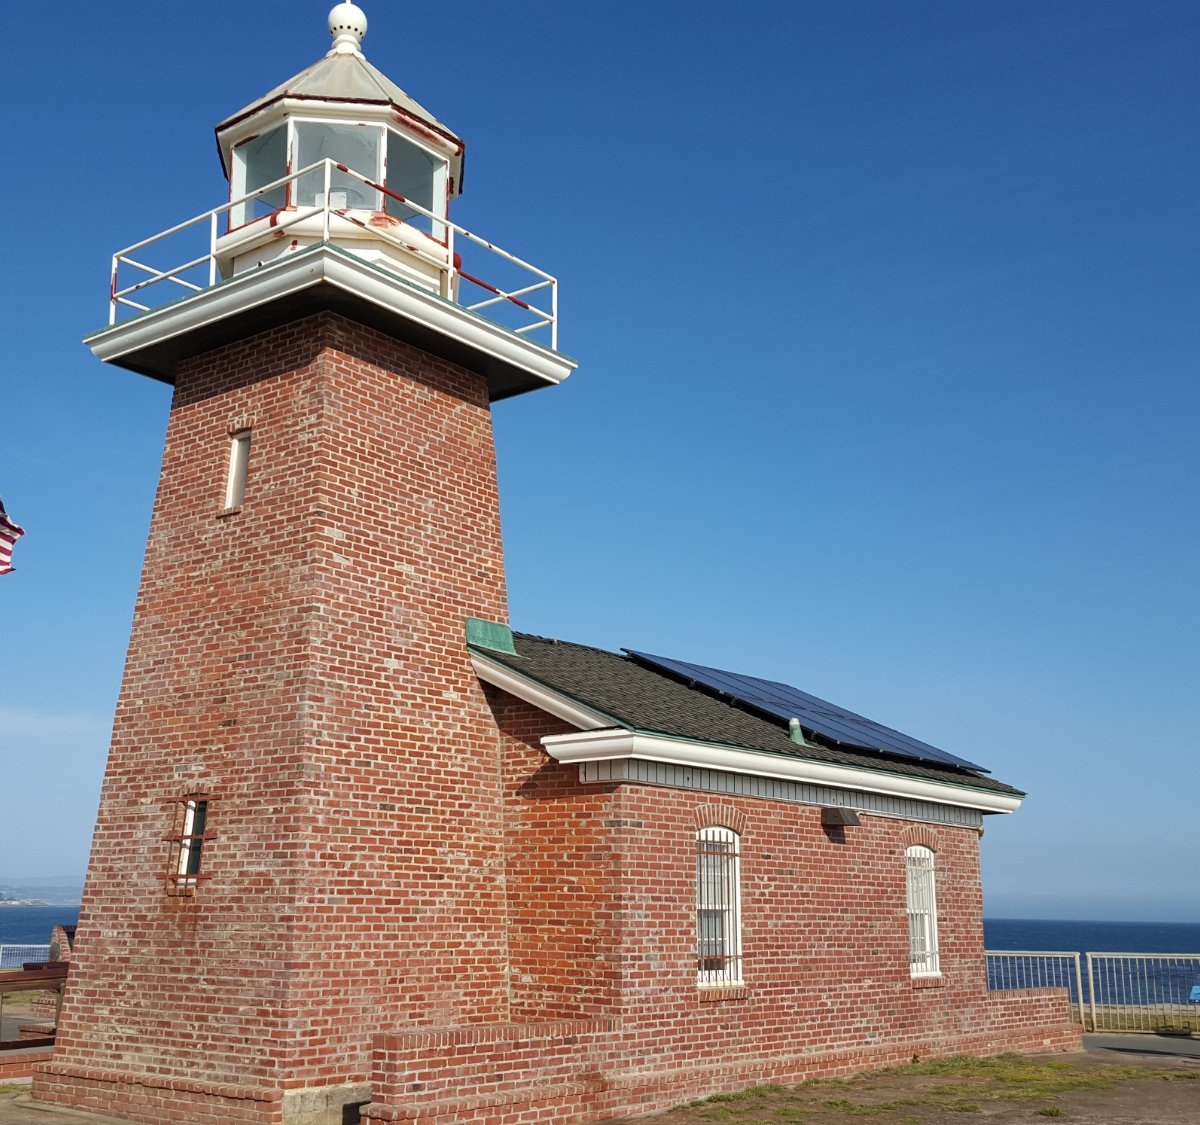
(569, 644)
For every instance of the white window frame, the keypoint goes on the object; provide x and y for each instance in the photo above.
(921, 893)
(243, 213)
(239, 468)
(441, 185)
(719, 890)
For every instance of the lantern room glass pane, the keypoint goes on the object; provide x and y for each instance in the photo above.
(356, 146)
(417, 175)
(257, 162)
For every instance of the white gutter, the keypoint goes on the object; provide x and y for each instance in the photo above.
(613, 745)
(601, 739)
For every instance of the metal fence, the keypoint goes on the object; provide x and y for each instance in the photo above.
(14, 956)
(1144, 991)
(1151, 992)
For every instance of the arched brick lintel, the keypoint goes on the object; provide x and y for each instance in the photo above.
(920, 834)
(721, 816)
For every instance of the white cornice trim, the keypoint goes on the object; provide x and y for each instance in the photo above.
(294, 273)
(503, 677)
(612, 745)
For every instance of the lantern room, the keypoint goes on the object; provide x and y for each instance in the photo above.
(340, 138)
(338, 197)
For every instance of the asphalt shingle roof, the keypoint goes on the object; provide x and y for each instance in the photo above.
(642, 699)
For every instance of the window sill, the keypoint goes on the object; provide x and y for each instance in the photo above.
(938, 981)
(707, 993)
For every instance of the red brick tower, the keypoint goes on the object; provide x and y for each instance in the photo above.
(298, 842)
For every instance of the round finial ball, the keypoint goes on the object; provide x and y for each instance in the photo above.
(347, 19)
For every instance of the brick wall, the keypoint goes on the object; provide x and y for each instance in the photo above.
(301, 663)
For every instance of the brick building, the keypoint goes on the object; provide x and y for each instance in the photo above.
(363, 850)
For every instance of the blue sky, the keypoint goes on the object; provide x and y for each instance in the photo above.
(887, 321)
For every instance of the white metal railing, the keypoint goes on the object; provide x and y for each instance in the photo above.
(135, 279)
(1110, 991)
(14, 956)
(1144, 991)
(1020, 968)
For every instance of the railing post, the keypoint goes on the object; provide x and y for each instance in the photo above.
(328, 189)
(112, 298)
(212, 251)
(554, 315)
(1079, 990)
(1092, 987)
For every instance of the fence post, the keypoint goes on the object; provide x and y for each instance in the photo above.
(1092, 987)
(1079, 992)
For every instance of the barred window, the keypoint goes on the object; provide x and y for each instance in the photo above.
(718, 908)
(922, 912)
(187, 846)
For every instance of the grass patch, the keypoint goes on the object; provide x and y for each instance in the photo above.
(907, 1094)
(1014, 1076)
(869, 1109)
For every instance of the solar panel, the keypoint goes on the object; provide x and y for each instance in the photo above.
(816, 716)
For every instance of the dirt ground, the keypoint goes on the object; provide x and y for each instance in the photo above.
(1095, 1087)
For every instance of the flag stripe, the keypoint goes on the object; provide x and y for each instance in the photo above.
(9, 534)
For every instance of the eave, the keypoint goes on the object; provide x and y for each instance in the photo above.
(603, 738)
(319, 278)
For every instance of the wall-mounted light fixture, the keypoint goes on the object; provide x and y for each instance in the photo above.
(839, 818)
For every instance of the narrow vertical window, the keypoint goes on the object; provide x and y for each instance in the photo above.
(239, 462)
(922, 912)
(718, 908)
(190, 843)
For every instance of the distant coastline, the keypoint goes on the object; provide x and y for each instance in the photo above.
(29, 902)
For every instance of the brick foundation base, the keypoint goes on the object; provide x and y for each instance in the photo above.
(579, 1071)
(151, 1099)
(143, 1097)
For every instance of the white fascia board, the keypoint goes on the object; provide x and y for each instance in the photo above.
(325, 264)
(611, 745)
(540, 696)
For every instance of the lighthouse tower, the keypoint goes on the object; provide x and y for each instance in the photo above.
(299, 838)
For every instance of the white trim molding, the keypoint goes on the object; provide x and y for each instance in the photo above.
(613, 745)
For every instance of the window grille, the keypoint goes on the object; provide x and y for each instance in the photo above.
(187, 847)
(922, 912)
(718, 908)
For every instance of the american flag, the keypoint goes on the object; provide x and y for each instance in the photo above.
(9, 534)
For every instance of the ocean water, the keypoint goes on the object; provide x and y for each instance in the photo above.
(1092, 937)
(31, 925)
